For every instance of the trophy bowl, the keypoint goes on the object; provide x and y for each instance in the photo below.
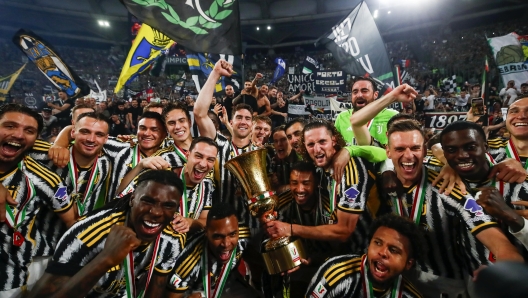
(280, 254)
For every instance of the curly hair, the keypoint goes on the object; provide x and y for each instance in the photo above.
(318, 123)
(406, 228)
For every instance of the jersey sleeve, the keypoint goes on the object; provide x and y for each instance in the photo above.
(355, 186)
(209, 192)
(187, 269)
(170, 247)
(371, 153)
(337, 277)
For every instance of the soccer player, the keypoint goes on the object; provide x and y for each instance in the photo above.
(103, 254)
(364, 92)
(283, 160)
(303, 205)
(207, 265)
(465, 149)
(32, 187)
(517, 125)
(294, 130)
(196, 175)
(395, 246)
(260, 130)
(437, 214)
(348, 196)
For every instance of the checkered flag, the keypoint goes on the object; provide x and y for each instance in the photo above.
(450, 84)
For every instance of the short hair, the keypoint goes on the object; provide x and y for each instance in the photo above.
(81, 106)
(120, 103)
(206, 140)
(18, 108)
(165, 177)
(405, 227)
(524, 84)
(277, 129)
(153, 105)
(220, 211)
(405, 125)
(273, 87)
(263, 119)
(241, 106)
(156, 116)
(97, 116)
(318, 123)
(303, 166)
(462, 125)
(399, 117)
(433, 141)
(300, 120)
(175, 106)
(357, 79)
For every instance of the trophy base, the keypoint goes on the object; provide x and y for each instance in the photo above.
(285, 257)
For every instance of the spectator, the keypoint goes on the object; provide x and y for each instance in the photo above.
(509, 94)
(49, 120)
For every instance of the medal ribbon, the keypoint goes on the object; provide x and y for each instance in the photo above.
(494, 182)
(333, 196)
(130, 278)
(90, 185)
(136, 156)
(14, 218)
(222, 279)
(396, 291)
(511, 152)
(419, 197)
(184, 202)
(180, 152)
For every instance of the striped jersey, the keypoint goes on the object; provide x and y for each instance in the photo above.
(497, 149)
(187, 275)
(440, 216)
(290, 212)
(86, 239)
(198, 199)
(229, 188)
(356, 193)
(282, 167)
(31, 177)
(341, 276)
(480, 255)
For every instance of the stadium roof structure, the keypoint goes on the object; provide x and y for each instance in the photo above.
(290, 22)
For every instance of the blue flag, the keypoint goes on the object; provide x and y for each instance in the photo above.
(279, 70)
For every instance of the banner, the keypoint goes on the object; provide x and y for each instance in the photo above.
(305, 82)
(279, 70)
(211, 26)
(7, 82)
(439, 120)
(330, 82)
(145, 49)
(201, 65)
(321, 107)
(176, 61)
(310, 65)
(510, 58)
(50, 64)
(99, 96)
(357, 46)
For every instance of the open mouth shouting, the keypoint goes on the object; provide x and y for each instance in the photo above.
(11, 149)
(224, 255)
(379, 270)
(361, 102)
(198, 174)
(408, 167)
(149, 229)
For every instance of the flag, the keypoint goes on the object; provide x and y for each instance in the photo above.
(509, 56)
(211, 26)
(7, 82)
(450, 84)
(357, 46)
(279, 70)
(145, 49)
(50, 64)
(310, 65)
(201, 65)
(405, 63)
(484, 84)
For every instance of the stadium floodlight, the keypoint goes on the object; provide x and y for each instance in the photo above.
(258, 28)
(375, 13)
(269, 28)
(388, 12)
(103, 23)
(106, 24)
